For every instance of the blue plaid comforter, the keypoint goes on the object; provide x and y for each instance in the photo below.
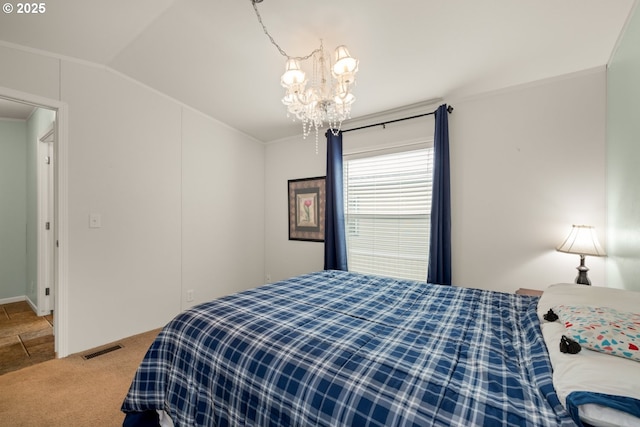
(342, 349)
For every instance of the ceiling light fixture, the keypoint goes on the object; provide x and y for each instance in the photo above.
(327, 96)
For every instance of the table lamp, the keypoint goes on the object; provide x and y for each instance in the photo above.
(582, 240)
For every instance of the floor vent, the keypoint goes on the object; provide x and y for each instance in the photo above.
(101, 352)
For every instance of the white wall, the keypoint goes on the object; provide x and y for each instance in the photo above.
(124, 164)
(30, 72)
(291, 158)
(526, 163)
(131, 158)
(223, 210)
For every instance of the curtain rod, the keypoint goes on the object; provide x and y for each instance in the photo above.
(449, 110)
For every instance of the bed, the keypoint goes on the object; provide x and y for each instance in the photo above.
(334, 348)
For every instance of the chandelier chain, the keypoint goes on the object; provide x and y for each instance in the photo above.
(273, 42)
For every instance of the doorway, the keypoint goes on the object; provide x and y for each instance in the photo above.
(57, 202)
(28, 193)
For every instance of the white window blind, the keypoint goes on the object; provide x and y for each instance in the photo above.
(387, 213)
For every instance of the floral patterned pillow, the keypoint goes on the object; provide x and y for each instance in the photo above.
(602, 329)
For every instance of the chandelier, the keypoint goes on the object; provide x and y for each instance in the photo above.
(326, 97)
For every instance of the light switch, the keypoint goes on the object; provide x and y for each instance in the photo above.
(95, 220)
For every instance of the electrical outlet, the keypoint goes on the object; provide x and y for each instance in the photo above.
(190, 295)
(95, 220)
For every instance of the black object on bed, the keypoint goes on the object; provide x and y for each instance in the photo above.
(343, 349)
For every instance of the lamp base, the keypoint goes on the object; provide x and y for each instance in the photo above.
(582, 278)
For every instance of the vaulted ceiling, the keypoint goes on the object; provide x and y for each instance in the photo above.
(213, 55)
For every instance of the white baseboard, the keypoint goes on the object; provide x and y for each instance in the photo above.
(20, 299)
(32, 305)
(13, 299)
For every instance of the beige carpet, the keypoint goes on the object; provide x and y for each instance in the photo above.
(73, 392)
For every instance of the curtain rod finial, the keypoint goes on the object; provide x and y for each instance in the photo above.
(449, 109)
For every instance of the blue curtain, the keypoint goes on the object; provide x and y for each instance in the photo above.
(335, 242)
(440, 246)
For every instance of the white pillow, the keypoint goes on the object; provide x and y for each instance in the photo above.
(603, 329)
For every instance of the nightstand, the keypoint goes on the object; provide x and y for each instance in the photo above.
(530, 292)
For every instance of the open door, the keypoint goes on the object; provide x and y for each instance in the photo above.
(46, 221)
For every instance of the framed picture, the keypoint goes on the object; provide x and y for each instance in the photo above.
(307, 208)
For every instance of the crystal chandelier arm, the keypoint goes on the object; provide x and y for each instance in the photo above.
(342, 91)
(273, 42)
(295, 98)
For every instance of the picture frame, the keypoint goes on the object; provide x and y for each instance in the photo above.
(307, 197)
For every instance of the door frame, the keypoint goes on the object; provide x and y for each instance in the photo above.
(61, 207)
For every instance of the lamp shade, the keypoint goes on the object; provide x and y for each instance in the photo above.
(344, 64)
(582, 240)
(293, 75)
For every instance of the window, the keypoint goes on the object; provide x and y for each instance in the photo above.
(387, 213)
